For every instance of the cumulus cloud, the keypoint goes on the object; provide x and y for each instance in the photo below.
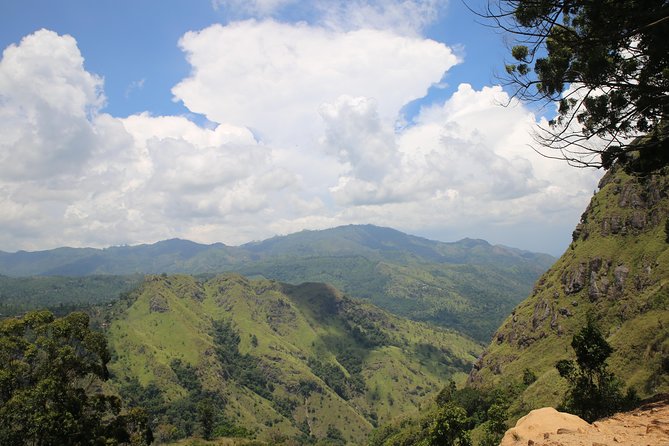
(73, 175)
(273, 77)
(303, 136)
(43, 83)
(464, 165)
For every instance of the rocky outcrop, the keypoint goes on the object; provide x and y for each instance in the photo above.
(647, 425)
(158, 304)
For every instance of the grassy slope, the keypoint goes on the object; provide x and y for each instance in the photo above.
(618, 268)
(292, 324)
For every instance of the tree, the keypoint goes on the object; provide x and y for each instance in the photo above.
(449, 427)
(206, 413)
(595, 392)
(50, 375)
(604, 62)
(495, 426)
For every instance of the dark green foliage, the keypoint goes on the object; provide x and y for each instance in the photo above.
(186, 375)
(594, 392)
(446, 394)
(61, 295)
(183, 417)
(615, 57)
(50, 373)
(495, 426)
(449, 427)
(450, 422)
(666, 230)
(242, 368)
(529, 377)
(335, 436)
(333, 376)
(206, 414)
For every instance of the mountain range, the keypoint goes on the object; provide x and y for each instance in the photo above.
(469, 285)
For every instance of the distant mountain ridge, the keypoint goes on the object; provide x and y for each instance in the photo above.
(184, 256)
(469, 285)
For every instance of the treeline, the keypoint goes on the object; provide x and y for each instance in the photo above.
(61, 295)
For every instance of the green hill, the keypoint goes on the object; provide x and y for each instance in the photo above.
(468, 285)
(617, 268)
(274, 359)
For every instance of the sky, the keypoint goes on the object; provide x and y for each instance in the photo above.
(126, 122)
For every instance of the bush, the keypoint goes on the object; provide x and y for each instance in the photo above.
(594, 391)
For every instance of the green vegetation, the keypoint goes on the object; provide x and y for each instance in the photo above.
(303, 363)
(606, 64)
(469, 286)
(61, 295)
(594, 392)
(617, 269)
(51, 374)
(457, 417)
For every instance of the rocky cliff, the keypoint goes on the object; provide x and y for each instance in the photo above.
(617, 268)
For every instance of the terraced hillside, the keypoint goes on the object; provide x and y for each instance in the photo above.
(273, 359)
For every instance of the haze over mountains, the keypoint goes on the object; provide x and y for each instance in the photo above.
(469, 285)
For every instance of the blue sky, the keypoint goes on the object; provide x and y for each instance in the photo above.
(225, 120)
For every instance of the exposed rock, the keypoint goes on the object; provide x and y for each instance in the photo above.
(574, 280)
(599, 282)
(620, 275)
(647, 425)
(638, 220)
(630, 196)
(158, 304)
(564, 312)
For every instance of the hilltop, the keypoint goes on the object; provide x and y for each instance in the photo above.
(469, 285)
(274, 359)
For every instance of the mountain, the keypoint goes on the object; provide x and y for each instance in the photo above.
(468, 285)
(617, 269)
(273, 359)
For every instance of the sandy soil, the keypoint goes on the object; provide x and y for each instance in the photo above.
(646, 426)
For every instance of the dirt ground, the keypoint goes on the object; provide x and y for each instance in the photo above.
(647, 425)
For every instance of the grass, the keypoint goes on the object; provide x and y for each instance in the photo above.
(400, 363)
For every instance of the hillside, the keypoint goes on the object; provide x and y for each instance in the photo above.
(616, 268)
(274, 359)
(61, 294)
(468, 285)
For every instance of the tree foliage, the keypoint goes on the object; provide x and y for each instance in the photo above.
(450, 427)
(595, 392)
(605, 63)
(50, 376)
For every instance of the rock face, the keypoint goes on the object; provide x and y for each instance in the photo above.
(646, 426)
(617, 268)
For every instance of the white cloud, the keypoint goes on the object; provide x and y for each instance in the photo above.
(324, 103)
(273, 77)
(43, 84)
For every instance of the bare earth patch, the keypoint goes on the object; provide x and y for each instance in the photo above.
(647, 425)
